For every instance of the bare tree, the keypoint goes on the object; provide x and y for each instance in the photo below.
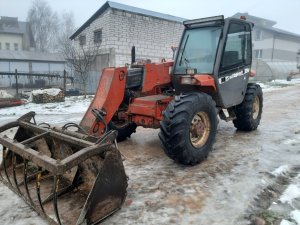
(44, 25)
(80, 58)
(66, 29)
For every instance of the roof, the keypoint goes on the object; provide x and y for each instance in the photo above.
(266, 24)
(11, 25)
(282, 32)
(118, 6)
(255, 19)
(30, 56)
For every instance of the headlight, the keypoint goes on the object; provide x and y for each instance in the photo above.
(191, 71)
(188, 80)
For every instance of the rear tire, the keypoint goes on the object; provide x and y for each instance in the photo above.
(189, 127)
(124, 131)
(248, 113)
(124, 128)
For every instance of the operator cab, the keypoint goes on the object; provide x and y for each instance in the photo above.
(218, 48)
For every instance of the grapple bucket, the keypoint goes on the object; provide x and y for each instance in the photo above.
(66, 176)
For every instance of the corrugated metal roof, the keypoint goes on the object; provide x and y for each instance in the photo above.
(30, 56)
(127, 8)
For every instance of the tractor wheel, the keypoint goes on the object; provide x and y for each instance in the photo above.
(124, 129)
(248, 113)
(189, 127)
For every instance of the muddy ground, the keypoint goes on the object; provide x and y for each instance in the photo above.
(226, 189)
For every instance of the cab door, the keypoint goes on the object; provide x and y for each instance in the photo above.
(235, 63)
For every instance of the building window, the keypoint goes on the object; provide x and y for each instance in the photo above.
(258, 35)
(98, 36)
(16, 46)
(82, 39)
(7, 46)
(258, 53)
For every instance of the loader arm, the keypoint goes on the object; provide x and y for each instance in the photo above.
(108, 97)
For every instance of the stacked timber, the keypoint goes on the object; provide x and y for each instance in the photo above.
(48, 95)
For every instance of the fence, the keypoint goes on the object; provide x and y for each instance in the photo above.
(31, 81)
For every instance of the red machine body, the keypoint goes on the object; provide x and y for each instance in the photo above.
(146, 103)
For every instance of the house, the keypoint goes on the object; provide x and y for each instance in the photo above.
(15, 35)
(274, 50)
(270, 43)
(117, 27)
(17, 52)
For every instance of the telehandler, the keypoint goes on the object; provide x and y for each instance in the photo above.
(78, 177)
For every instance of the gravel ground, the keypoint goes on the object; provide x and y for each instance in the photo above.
(225, 189)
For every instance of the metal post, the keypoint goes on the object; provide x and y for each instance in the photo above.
(17, 86)
(272, 55)
(133, 54)
(65, 81)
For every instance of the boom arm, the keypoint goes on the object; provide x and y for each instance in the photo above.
(108, 97)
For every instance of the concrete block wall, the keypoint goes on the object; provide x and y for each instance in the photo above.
(102, 22)
(152, 37)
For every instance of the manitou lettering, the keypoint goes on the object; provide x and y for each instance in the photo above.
(235, 75)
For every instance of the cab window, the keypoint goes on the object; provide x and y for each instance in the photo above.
(237, 50)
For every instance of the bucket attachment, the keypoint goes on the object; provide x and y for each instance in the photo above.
(67, 177)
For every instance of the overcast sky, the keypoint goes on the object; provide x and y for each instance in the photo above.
(285, 13)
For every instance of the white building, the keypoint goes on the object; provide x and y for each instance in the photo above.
(117, 27)
(270, 43)
(15, 35)
(274, 50)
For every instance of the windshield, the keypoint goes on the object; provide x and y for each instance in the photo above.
(198, 50)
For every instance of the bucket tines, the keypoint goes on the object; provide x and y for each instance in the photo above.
(67, 177)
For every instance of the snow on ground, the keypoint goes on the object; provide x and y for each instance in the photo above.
(280, 170)
(292, 192)
(278, 84)
(295, 215)
(287, 205)
(286, 222)
(15, 211)
(70, 111)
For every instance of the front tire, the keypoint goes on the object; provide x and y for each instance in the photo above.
(248, 113)
(124, 130)
(189, 128)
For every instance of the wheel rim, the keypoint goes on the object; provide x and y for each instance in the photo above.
(200, 129)
(255, 108)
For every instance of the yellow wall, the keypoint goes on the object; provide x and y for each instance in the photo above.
(11, 39)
